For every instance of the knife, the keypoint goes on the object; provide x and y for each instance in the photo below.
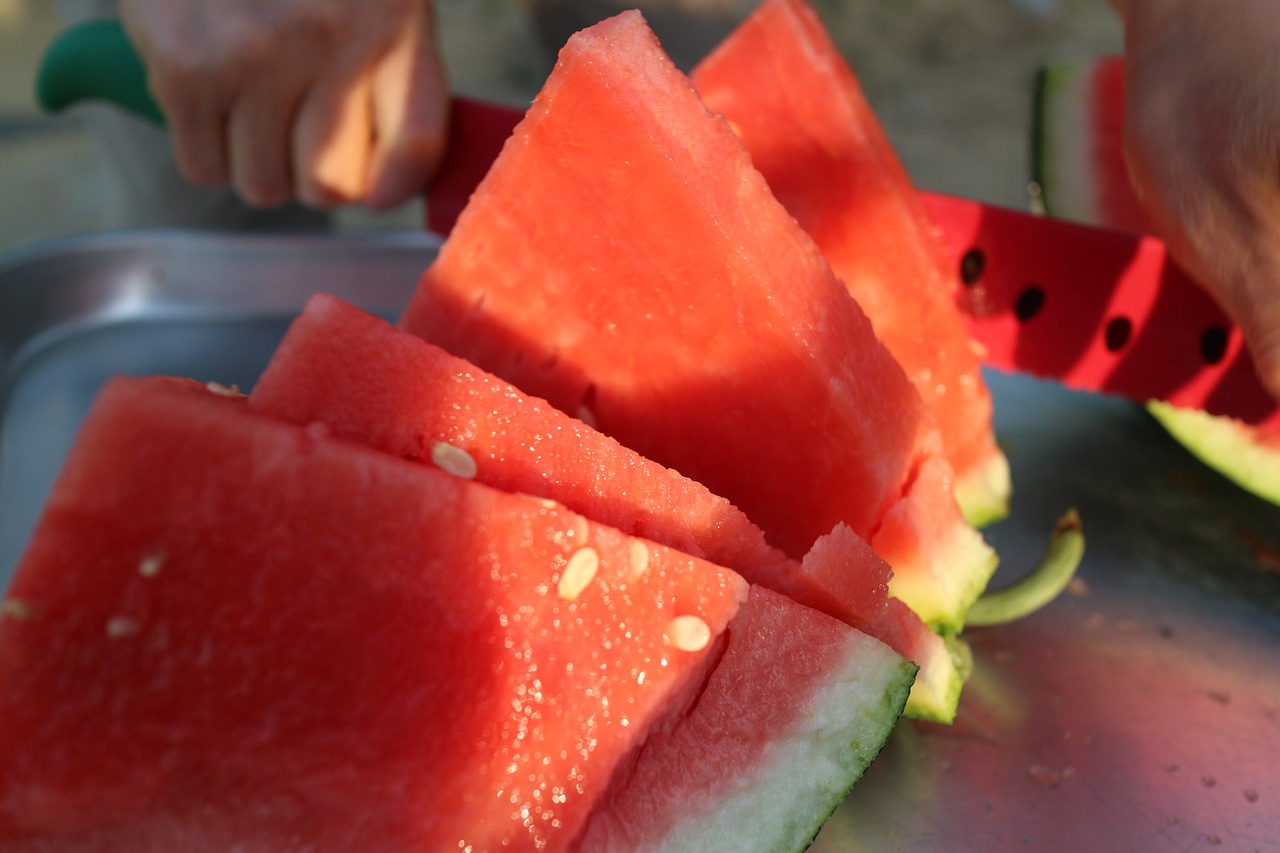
(1095, 309)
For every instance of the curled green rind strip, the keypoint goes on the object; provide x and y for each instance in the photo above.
(1045, 582)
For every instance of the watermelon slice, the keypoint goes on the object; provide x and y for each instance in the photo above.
(684, 790)
(229, 632)
(622, 259)
(438, 409)
(367, 381)
(798, 108)
(1079, 166)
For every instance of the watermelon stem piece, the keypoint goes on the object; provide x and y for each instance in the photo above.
(1042, 585)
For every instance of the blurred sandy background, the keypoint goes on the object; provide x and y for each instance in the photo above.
(950, 79)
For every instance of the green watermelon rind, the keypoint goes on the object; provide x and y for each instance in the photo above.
(943, 603)
(983, 494)
(1060, 169)
(1058, 158)
(811, 774)
(1225, 445)
(935, 695)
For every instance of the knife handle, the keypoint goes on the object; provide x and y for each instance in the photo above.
(94, 61)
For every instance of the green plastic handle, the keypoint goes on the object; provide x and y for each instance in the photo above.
(95, 61)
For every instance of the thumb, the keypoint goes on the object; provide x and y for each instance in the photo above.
(1245, 277)
(1261, 328)
(410, 115)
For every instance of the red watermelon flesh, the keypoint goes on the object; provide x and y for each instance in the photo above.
(622, 257)
(366, 381)
(231, 633)
(825, 584)
(321, 374)
(801, 113)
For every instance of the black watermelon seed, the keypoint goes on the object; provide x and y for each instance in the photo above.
(1029, 303)
(1117, 334)
(1213, 344)
(972, 266)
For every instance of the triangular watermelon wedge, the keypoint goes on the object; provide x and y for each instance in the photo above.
(1079, 168)
(230, 632)
(432, 407)
(622, 259)
(797, 106)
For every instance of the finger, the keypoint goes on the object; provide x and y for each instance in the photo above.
(198, 134)
(1259, 320)
(332, 139)
(259, 144)
(411, 107)
(1241, 265)
(1265, 348)
(195, 108)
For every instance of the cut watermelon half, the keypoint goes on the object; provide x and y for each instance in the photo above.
(797, 106)
(230, 632)
(432, 407)
(1078, 162)
(623, 260)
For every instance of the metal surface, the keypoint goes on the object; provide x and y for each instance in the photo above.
(1140, 712)
(210, 307)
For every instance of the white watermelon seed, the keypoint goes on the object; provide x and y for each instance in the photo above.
(453, 460)
(150, 565)
(578, 573)
(639, 559)
(122, 626)
(15, 608)
(689, 633)
(224, 390)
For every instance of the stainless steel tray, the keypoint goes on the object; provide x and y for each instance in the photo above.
(1140, 712)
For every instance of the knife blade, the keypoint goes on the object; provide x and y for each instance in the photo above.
(1095, 309)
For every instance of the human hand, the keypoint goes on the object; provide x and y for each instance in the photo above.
(326, 101)
(1202, 140)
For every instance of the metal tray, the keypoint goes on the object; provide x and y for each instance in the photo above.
(1139, 712)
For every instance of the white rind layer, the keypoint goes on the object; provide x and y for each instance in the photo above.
(800, 777)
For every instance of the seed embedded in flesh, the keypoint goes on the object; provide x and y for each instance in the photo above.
(578, 573)
(225, 390)
(453, 460)
(639, 559)
(150, 565)
(15, 608)
(122, 626)
(689, 633)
